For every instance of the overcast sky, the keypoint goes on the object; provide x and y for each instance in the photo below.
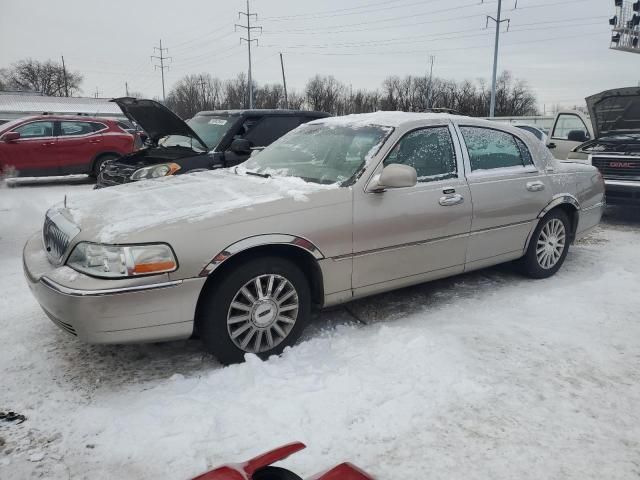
(561, 48)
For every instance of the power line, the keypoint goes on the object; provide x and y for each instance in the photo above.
(334, 14)
(413, 52)
(335, 10)
(439, 37)
(249, 28)
(162, 66)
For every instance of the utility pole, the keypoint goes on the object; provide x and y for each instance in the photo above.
(432, 60)
(161, 56)
(203, 86)
(97, 93)
(284, 82)
(498, 21)
(249, 29)
(64, 73)
(126, 89)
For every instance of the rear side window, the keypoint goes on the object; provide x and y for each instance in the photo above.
(269, 129)
(489, 149)
(429, 151)
(75, 128)
(527, 159)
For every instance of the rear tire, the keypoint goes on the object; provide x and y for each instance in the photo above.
(548, 246)
(97, 164)
(260, 306)
(274, 473)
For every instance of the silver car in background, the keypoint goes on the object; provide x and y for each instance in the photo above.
(338, 209)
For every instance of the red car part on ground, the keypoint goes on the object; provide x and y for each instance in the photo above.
(259, 468)
(46, 145)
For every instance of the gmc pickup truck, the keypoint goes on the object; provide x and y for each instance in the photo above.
(609, 139)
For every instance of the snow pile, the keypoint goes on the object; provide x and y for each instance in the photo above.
(486, 375)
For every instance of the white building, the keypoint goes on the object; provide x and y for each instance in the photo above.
(21, 104)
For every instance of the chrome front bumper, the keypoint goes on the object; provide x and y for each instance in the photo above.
(147, 309)
(622, 192)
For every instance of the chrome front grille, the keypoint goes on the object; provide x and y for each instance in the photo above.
(57, 234)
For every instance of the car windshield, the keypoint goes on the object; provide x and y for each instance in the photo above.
(319, 153)
(210, 128)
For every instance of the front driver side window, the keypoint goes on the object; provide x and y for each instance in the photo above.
(35, 130)
(429, 151)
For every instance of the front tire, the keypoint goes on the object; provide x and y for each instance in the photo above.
(97, 165)
(548, 246)
(260, 307)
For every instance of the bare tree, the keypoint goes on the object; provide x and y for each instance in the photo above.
(47, 78)
(325, 93)
(194, 93)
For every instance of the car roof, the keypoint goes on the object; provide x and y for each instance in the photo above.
(395, 119)
(69, 117)
(265, 112)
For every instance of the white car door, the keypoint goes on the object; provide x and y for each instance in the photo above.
(566, 125)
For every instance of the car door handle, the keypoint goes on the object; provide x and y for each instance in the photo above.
(535, 186)
(551, 145)
(449, 200)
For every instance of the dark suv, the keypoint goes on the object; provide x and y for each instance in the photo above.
(211, 139)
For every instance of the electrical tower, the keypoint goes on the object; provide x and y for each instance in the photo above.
(161, 56)
(498, 21)
(625, 34)
(249, 28)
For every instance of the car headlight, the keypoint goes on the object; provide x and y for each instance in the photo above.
(119, 261)
(155, 171)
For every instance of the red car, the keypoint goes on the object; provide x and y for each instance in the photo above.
(260, 468)
(61, 145)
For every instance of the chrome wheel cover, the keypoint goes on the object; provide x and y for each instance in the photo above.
(262, 313)
(551, 243)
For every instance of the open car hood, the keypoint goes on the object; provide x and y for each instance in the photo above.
(156, 119)
(615, 111)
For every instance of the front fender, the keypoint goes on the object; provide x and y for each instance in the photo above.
(258, 241)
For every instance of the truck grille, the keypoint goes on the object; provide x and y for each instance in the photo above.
(618, 167)
(57, 234)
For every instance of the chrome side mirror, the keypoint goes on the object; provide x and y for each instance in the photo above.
(394, 175)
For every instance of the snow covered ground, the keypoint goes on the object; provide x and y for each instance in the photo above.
(483, 376)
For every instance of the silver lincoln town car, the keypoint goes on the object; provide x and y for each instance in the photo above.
(337, 209)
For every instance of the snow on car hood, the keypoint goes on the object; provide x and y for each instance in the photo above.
(615, 111)
(110, 214)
